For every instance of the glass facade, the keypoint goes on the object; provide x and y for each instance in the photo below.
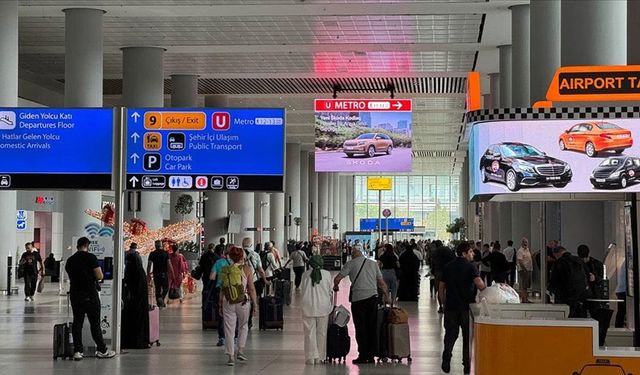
(432, 201)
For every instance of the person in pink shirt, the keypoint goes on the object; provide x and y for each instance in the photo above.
(180, 269)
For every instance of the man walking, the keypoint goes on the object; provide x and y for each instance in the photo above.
(29, 263)
(510, 253)
(525, 269)
(84, 274)
(366, 280)
(162, 270)
(569, 282)
(460, 278)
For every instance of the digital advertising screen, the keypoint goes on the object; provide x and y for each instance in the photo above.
(555, 156)
(394, 224)
(56, 148)
(205, 149)
(354, 135)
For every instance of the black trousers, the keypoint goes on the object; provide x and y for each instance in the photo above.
(298, 271)
(91, 308)
(486, 276)
(161, 282)
(622, 310)
(259, 286)
(453, 322)
(30, 282)
(364, 319)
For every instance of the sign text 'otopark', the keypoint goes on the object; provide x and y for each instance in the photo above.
(205, 149)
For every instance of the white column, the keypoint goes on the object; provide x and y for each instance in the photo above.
(349, 203)
(313, 196)
(304, 195)
(215, 207)
(323, 202)
(242, 203)
(143, 86)
(330, 213)
(344, 217)
(261, 216)
(82, 88)
(8, 98)
(520, 43)
(593, 32)
(276, 220)
(184, 94)
(505, 77)
(336, 202)
(545, 46)
(292, 185)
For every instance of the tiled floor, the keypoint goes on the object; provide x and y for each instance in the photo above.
(26, 340)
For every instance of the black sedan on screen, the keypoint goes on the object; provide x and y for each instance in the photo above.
(616, 171)
(519, 165)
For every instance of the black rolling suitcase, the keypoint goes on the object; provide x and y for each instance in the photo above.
(209, 309)
(283, 290)
(338, 340)
(602, 366)
(271, 313)
(63, 339)
(382, 334)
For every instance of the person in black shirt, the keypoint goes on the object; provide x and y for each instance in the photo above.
(439, 258)
(162, 270)
(29, 263)
(389, 265)
(568, 282)
(500, 267)
(460, 278)
(84, 274)
(207, 260)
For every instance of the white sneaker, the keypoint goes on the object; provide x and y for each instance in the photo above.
(107, 354)
(242, 358)
(77, 356)
(231, 362)
(31, 298)
(27, 299)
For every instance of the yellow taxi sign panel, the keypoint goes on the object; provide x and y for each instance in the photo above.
(379, 183)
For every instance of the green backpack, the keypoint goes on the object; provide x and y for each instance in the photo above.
(232, 286)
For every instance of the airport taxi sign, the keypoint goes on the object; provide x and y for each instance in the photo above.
(56, 148)
(205, 149)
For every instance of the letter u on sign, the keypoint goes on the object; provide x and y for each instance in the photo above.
(221, 120)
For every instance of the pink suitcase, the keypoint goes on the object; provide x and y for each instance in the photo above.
(154, 326)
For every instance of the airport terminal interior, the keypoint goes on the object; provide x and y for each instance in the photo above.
(479, 155)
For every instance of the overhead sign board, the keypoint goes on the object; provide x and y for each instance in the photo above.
(395, 225)
(363, 135)
(56, 148)
(379, 183)
(593, 84)
(555, 156)
(205, 149)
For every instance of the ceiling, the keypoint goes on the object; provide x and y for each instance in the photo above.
(285, 53)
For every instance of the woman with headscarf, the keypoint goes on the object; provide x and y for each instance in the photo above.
(317, 292)
(409, 276)
(135, 309)
(389, 266)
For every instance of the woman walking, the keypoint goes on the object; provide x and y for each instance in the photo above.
(317, 290)
(236, 298)
(389, 265)
(180, 269)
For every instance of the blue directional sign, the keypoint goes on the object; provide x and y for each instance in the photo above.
(205, 149)
(56, 148)
(395, 225)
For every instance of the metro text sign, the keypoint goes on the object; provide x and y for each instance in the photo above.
(368, 105)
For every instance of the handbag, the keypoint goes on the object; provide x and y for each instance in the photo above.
(397, 316)
(196, 273)
(40, 287)
(356, 279)
(174, 293)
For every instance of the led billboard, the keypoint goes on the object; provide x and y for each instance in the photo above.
(363, 135)
(555, 156)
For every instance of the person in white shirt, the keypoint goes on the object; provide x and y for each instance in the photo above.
(525, 269)
(273, 262)
(510, 253)
(299, 259)
(317, 293)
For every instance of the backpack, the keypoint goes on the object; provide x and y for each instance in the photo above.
(264, 259)
(577, 287)
(232, 286)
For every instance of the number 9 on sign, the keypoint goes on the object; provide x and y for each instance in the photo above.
(152, 120)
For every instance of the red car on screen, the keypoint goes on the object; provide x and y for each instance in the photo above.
(594, 137)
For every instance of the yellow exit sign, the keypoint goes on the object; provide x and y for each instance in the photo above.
(379, 183)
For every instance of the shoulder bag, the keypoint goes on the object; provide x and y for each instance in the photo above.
(356, 279)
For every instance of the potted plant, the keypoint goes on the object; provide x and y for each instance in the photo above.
(456, 227)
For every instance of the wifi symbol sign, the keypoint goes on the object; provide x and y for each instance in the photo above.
(92, 229)
(105, 232)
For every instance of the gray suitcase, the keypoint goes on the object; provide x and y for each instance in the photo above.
(399, 342)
